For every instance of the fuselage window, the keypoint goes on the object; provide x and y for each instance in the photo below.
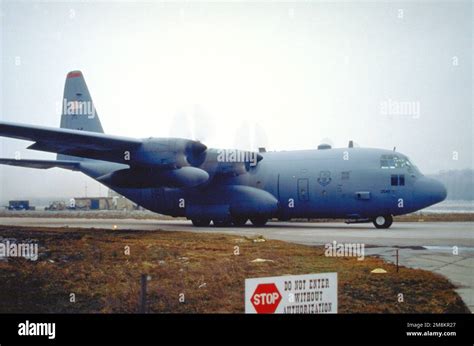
(401, 180)
(394, 180)
(397, 180)
(345, 175)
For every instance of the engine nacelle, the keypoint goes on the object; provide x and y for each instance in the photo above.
(168, 152)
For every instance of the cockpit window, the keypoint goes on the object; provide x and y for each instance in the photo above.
(397, 161)
(392, 161)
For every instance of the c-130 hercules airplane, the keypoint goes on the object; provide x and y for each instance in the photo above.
(182, 177)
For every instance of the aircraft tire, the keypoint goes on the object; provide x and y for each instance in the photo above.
(259, 221)
(239, 221)
(221, 223)
(201, 222)
(383, 221)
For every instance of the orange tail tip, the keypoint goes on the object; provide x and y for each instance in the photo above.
(74, 74)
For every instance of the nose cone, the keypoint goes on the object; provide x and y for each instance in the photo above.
(442, 192)
(428, 191)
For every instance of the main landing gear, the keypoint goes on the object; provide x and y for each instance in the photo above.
(383, 221)
(201, 222)
(257, 221)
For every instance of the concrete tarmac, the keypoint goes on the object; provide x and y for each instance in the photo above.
(446, 248)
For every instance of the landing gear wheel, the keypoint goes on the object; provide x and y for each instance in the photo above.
(383, 221)
(221, 223)
(239, 221)
(259, 221)
(201, 222)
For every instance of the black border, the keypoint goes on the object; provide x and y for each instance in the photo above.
(136, 329)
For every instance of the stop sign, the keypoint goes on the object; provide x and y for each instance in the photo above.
(266, 298)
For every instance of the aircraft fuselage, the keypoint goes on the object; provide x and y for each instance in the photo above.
(350, 183)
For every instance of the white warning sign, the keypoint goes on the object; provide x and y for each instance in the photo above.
(294, 294)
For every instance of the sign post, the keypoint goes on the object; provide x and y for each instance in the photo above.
(294, 294)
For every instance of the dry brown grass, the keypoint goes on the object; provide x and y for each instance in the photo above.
(87, 214)
(92, 264)
(443, 217)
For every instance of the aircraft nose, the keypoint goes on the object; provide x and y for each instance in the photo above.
(429, 191)
(441, 190)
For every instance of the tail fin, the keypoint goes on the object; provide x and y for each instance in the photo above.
(78, 110)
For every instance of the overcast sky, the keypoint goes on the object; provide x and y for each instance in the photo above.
(286, 75)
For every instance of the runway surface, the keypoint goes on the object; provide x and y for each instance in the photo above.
(426, 245)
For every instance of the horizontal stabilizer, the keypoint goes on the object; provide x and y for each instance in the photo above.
(42, 164)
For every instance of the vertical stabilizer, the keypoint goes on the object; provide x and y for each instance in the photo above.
(78, 110)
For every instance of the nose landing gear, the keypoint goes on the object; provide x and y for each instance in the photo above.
(383, 221)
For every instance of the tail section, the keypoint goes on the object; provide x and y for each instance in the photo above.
(78, 110)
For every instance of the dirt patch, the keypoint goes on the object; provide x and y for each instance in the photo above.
(194, 273)
(435, 217)
(88, 214)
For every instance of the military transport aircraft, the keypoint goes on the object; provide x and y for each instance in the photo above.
(182, 177)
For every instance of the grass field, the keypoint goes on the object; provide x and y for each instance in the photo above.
(201, 268)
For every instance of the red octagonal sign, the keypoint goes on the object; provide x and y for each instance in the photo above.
(266, 298)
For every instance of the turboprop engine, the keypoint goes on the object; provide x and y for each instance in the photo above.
(161, 162)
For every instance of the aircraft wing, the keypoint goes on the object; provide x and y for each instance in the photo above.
(166, 153)
(72, 142)
(42, 164)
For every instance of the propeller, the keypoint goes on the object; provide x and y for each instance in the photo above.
(194, 123)
(250, 136)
